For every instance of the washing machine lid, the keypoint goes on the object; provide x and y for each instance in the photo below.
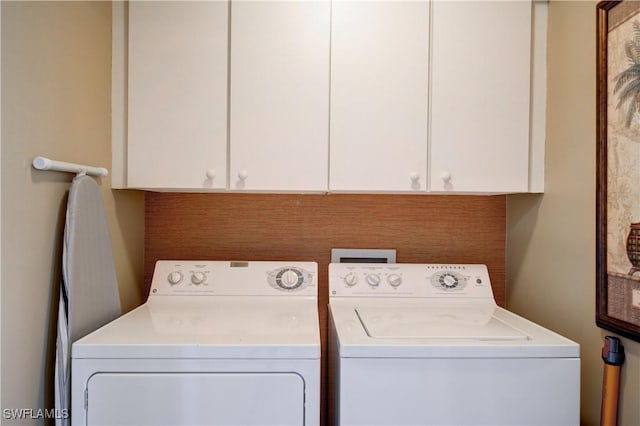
(435, 323)
(219, 327)
(410, 329)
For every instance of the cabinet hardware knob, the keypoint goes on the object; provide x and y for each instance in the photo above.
(243, 174)
(211, 173)
(446, 176)
(414, 176)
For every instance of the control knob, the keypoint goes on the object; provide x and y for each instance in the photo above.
(373, 280)
(290, 279)
(351, 279)
(394, 280)
(286, 278)
(174, 277)
(448, 280)
(198, 278)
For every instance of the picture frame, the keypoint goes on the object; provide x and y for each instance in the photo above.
(618, 168)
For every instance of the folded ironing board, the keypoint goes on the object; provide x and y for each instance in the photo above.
(89, 296)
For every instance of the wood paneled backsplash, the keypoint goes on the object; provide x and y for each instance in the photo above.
(422, 228)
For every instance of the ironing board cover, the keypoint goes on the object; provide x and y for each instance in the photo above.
(89, 296)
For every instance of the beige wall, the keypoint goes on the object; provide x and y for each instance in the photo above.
(56, 88)
(551, 237)
(55, 102)
(0, 211)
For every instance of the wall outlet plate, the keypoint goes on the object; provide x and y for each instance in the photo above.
(341, 255)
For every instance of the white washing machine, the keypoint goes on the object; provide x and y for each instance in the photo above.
(418, 344)
(217, 343)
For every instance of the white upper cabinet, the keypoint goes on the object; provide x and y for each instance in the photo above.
(379, 76)
(339, 96)
(279, 95)
(480, 96)
(177, 104)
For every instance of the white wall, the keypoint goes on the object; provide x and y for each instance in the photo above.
(56, 88)
(551, 237)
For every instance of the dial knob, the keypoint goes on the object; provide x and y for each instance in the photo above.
(373, 280)
(198, 278)
(448, 281)
(394, 280)
(289, 279)
(174, 277)
(351, 279)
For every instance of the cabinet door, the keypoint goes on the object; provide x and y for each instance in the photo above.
(379, 76)
(279, 95)
(480, 84)
(177, 130)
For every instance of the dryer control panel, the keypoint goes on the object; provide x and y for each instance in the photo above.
(409, 280)
(233, 278)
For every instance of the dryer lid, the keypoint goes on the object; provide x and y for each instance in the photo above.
(448, 323)
(218, 327)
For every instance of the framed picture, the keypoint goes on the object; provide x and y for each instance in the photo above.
(618, 168)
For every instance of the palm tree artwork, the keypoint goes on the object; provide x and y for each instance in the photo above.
(628, 81)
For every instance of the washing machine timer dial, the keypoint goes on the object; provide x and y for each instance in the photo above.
(449, 280)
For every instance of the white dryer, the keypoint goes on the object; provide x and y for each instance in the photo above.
(415, 344)
(217, 343)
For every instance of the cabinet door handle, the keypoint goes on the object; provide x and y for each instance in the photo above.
(211, 173)
(414, 176)
(243, 175)
(446, 177)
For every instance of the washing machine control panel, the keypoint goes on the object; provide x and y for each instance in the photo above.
(409, 280)
(257, 278)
